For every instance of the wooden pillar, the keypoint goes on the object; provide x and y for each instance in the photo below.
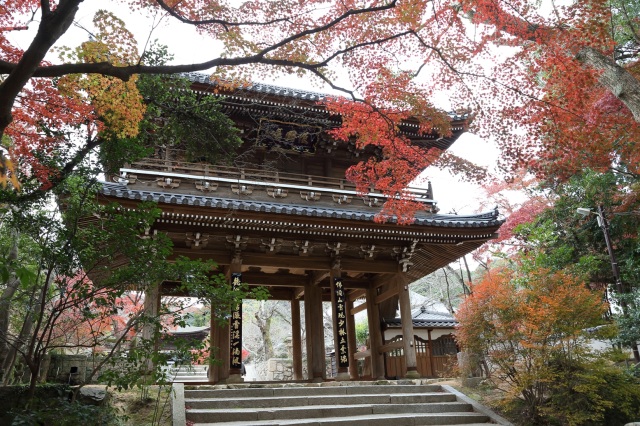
(375, 336)
(308, 326)
(296, 339)
(351, 336)
(315, 332)
(219, 359)
(151, 306)
(235, 327)
(339, 314)
(430, 352)
(212, 372)
(407, 327)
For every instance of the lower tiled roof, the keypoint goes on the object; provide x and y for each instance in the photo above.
(425, 318)
(481, 220)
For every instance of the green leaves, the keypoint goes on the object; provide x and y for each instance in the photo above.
(175, 116)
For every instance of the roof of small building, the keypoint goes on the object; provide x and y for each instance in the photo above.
(424, 318)
(481, 220)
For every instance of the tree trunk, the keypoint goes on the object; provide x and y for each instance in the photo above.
(25, 333)
(466, 288)
(617, 79)
(263, 321)
(5, 302)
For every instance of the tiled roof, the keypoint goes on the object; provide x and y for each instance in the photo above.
(425, 318)
(273, 89)
(481, 220)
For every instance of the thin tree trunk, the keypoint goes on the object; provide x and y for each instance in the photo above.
(25, 333)
(467, 289)
(5, 301)
(263, 321)
(446, 279)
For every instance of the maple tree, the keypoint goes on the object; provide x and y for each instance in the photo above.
(575, 103)
(569, 82)
(526, 322)
(296, 36)
(48, 273)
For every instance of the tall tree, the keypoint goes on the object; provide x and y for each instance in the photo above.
(74, 281)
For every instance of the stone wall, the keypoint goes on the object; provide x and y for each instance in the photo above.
(280, 369)
(74, 369)
(71, 368)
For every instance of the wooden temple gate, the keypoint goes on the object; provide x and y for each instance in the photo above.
(285, 218)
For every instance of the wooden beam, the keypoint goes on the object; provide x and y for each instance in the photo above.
(293, 280)
(391, 346)
(362, 355)
(361, 307)
(273, 280)
(356, 294)
(298, 293)
(286, 261)
(318, 276)
(386, 295)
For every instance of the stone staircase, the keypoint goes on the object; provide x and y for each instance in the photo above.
(387, 403)
(187, 373)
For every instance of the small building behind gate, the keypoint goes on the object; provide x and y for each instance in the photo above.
(433, 341)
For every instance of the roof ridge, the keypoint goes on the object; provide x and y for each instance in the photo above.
(270, 88)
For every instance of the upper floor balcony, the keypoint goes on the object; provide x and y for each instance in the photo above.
(171, 176)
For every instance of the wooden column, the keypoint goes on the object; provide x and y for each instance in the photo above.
(407, 327)
(430, 352)
(219, 359)
(235, 327)
(375, 336)
(315, 332)
(308, 326)
(296, 339)
(351, 335)
(339, 314)
(212, 372)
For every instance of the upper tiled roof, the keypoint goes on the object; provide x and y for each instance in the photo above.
(482, 220)
(422, 317)
(272, 89)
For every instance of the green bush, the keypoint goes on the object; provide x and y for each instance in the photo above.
(592, 392)
(50, 406)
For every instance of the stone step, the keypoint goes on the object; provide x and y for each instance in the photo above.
(320, 411)
(331, 403)
(190, 379)
(197, 368)
(188, 373)
(413, 419)
(245, 391)
(328, 400)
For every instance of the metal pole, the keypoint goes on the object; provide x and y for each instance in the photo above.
(602, 221)
(614, 263)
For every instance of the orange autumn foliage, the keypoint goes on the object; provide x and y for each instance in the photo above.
(548, 100)
(520, 322)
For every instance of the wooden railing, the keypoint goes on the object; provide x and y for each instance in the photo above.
(159, 169)
(226, 172)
